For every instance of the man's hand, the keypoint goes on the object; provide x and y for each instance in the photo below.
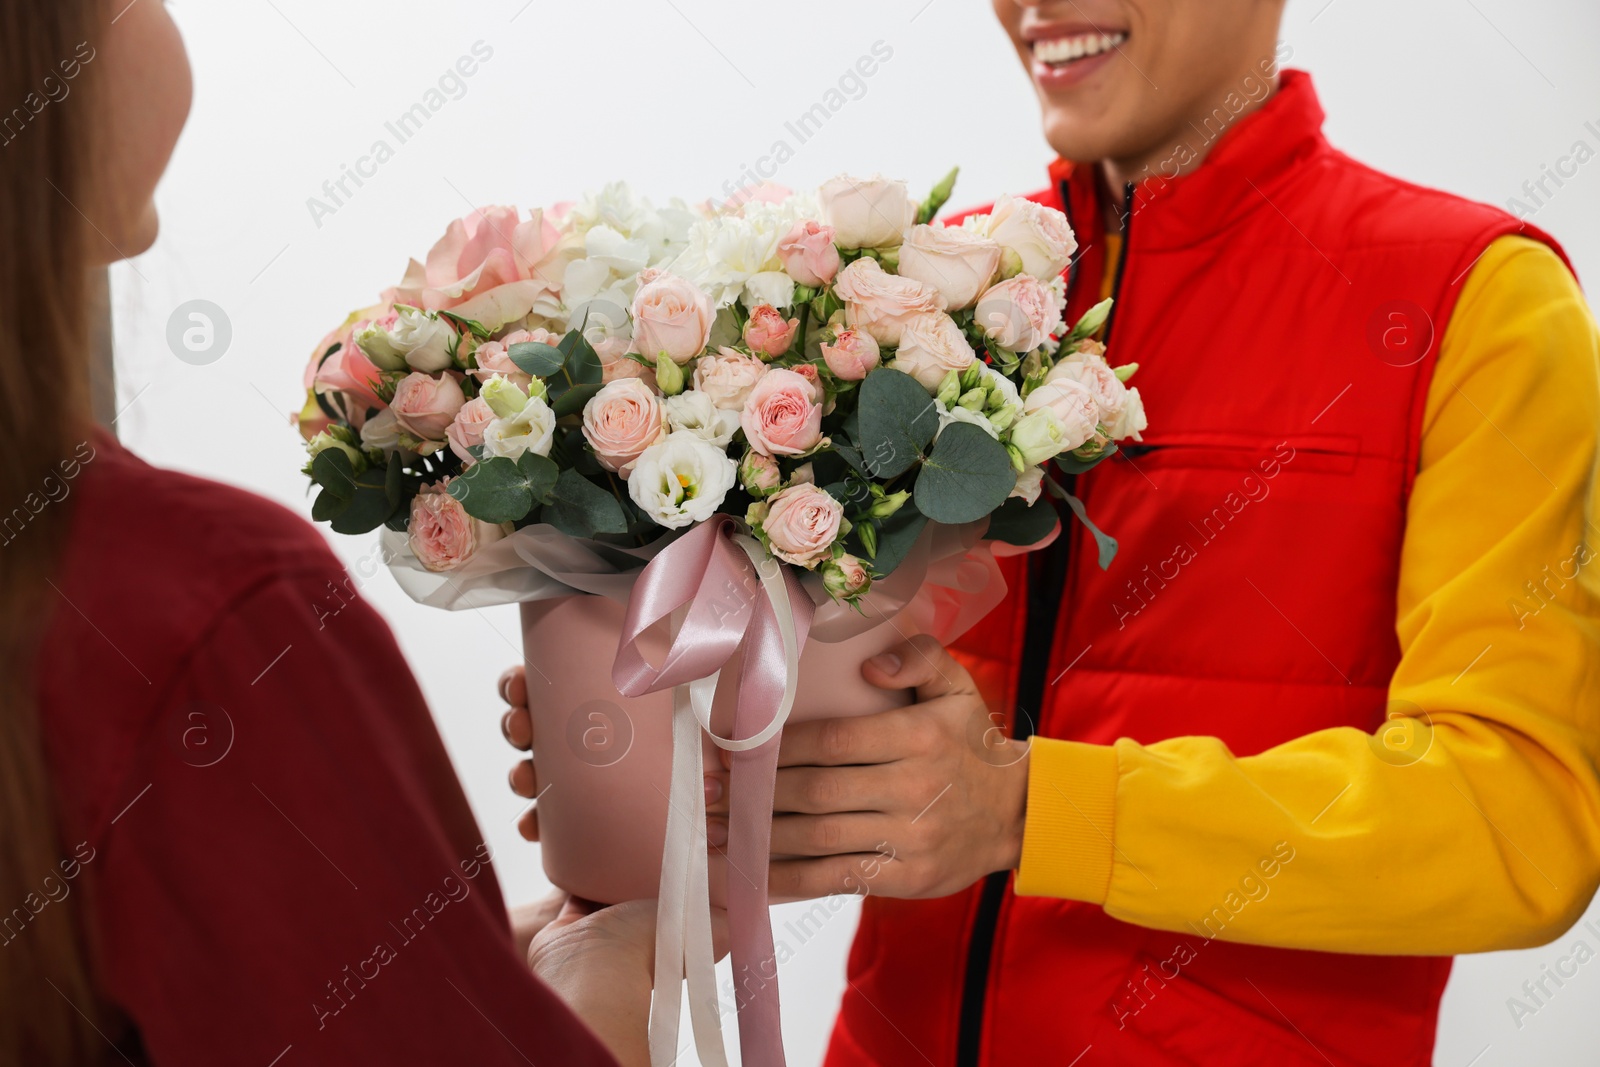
(936, 788)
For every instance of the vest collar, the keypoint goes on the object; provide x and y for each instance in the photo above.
(1235, 178)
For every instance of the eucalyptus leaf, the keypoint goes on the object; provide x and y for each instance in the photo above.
(541, 473)
(536, 358)
(571, 401)
(1017, 523)
(967, 476)
(367, 510)
(897, 420)
(896, 535)
(580, 508)
(327, 506)
(331, 469)
(494, 490)
(1071, 464)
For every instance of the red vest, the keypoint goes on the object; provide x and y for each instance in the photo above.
(1285, 305)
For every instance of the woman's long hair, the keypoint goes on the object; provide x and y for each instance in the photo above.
(46, 136)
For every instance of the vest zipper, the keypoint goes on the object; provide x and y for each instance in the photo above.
(1047, 577)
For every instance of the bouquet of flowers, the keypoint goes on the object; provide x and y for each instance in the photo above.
(736, 421)
(831, 369)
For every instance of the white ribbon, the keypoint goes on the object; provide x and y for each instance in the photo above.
(683, 910)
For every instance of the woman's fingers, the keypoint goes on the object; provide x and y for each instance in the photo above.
(528, 825)
(524, 782)
(516, 726)
(514, 687)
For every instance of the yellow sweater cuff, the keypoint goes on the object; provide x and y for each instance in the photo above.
(1067, 836)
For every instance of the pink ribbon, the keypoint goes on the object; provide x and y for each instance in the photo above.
(711, 576)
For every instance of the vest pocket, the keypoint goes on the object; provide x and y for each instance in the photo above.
(1266, 456)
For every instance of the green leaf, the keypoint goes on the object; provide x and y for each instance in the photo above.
(968, 476)
(1018, 523)
(327, 506)
(897, 420)
(494, 490)
(535, 358)
(1106, 544)
(366, 511)
(1090, 324)
(580, 508)
(478, 329)
(394, 482)
(896, 535)
(571, 401)
(849, 454)
(331, 469)
(583, 362)
(1071, 464)
(542, 474)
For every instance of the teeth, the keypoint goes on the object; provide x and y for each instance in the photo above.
(1067, 49)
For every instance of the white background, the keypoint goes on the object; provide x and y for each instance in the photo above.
(679, 96)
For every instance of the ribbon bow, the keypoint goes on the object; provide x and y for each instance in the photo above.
(732, 595)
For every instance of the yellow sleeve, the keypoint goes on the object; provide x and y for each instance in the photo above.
(1469, 827)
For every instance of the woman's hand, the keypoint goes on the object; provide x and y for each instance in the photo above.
(601, 961)
(517, 726)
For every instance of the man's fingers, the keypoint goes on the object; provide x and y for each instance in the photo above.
(820, 790)
(523, 781)
(881, 738)
(514, 687)
(806, 879)
(516, 726)
(921, 664)
(828, 835)
(528, 825)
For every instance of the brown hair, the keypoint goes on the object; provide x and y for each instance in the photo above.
(46, 136)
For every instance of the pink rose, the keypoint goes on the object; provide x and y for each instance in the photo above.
(852, 356)
(801, 524)
(759, 474)
(810, 373)
(467, 429)
(728, 377)
(1092, 372)
(348, 381)
(767, 333)
(614, 361)
(671, 316)
(882, 303)
(494, 357)
(845, 578)
(425, 406)
(442, 535)
(958, 263)
(809, 255)
(1019, 315)
(622, 420)
(490, 266)
(931, 347)
(781, 416)
(1073, 405)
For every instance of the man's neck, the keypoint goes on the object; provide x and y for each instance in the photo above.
(1184, 148)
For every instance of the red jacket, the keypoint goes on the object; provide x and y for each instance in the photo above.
(1283, 302)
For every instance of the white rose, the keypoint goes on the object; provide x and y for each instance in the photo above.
(1038, 239)
(382, 431)
(533, 429)
(1094, 374)
(960, 264)
(769, 287)
(682, 480)
(866, 212)
(1029, 483)
(422, 338)
(693, 412)
(931, 346)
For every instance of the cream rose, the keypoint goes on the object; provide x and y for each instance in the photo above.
(882, 303)
(671, 315)
(1019, 315)
(959, 263)
(870, 212)
(1094, 374)
(1037, 239)
(727, 377)
(682, 480)
(932, 346)
(801, 524)
(622, 420)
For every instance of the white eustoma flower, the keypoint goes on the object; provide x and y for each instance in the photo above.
(533, 429)
(947, 416)
(682, 480)
(693, 412)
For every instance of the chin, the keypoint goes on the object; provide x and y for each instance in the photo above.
(1080, 139)
(141, 236)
